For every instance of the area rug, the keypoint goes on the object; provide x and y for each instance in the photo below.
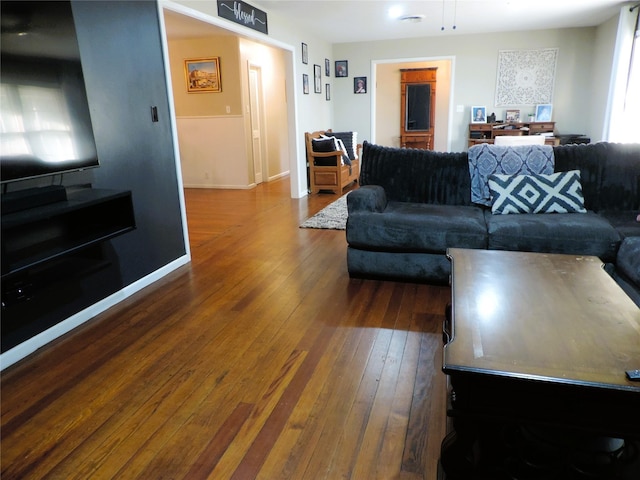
(331, 217)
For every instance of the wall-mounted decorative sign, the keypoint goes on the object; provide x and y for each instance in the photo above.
(243, 14)
(526, 77)
(203, 75)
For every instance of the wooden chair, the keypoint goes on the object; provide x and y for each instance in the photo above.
(326, 170)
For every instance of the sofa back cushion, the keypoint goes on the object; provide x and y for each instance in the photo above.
(411, 175)
(609, 172)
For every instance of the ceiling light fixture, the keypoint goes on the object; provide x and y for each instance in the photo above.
(411, 18)
(455, 14)
(395, 12)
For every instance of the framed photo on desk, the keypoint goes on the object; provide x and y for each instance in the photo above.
(543, 112)
(513, 116)
(479, 114)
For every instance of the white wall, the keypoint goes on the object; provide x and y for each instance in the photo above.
(212, 152)
(476, 59)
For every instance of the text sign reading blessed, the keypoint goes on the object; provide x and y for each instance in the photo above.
(243, 14)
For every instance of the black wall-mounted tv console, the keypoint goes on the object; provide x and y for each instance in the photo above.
(87, 216)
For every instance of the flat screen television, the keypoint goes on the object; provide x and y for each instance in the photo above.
(45, 124)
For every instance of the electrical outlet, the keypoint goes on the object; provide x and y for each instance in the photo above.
(460, 108)
(228, 109)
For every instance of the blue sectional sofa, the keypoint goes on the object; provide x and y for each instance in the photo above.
(414, 204)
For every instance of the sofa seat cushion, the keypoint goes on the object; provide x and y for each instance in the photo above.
(418, 227)
(628, 261)
(582, 234)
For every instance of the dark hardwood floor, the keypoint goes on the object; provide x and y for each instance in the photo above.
(260, 359)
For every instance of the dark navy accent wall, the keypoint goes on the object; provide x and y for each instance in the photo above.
(120, 48)
(121, 52)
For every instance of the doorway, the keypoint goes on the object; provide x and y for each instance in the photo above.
(386, 101)
(256, 113)
(227, 133)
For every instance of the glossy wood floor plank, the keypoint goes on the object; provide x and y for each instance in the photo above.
(259, 359)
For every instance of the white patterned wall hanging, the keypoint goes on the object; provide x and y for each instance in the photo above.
(526, 77)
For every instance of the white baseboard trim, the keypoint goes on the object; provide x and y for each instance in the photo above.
(278, 176)
(219, 187)
(29, 346)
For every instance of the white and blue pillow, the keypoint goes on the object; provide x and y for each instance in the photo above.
(559, 192)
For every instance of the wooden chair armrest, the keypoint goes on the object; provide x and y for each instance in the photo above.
(326, 154)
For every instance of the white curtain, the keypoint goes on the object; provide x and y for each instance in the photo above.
(624, 125)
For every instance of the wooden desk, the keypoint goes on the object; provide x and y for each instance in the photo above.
(537, 343)
(487, 132)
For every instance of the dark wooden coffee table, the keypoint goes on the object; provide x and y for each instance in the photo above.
(537, 346)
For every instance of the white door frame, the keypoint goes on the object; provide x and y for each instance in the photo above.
(257, 115)
(295, 140)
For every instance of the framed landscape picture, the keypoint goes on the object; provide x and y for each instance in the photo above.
(203, 75)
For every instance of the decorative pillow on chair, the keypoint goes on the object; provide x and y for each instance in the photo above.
(323, 145)
(338, 146)
(559, 192)
(350, 141)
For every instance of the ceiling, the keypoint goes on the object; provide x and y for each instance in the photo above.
(366, 20)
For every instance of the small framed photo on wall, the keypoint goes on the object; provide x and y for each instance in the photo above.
(305, 83)
(305, 54)
(479, 114)
(327, 67)
(327, 91)
(543, 112)
(359, 84)
(317, 79)
(342, 68)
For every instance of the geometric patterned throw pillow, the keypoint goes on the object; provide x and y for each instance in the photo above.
(559, 192)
